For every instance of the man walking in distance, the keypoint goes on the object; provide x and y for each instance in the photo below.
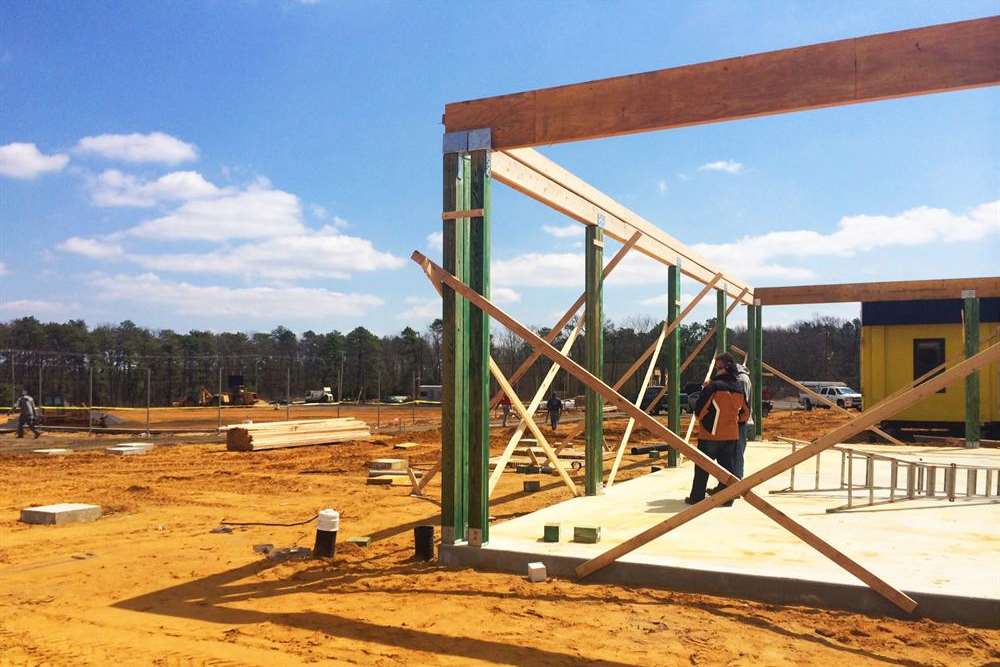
(721, 411)
(554, 406)
(26, 407)
(746, 429)
(505, 408)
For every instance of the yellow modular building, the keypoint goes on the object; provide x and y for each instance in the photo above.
(903, 340)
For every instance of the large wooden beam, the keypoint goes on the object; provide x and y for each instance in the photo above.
(951, 56)
(897, 290)
(439, 275)
(531, 173)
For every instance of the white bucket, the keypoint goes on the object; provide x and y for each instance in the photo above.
(329, 520)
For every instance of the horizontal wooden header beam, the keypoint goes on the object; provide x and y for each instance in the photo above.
(900, 290)
(531, 173)
(951, 56)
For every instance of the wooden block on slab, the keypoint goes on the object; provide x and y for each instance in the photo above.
(61, 513)
(587, 534)
(532, 485)
(551, 533)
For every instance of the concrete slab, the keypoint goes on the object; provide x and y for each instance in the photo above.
(61, 513)
(942, 553)
(52, 451)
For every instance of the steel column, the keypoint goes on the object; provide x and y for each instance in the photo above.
(971, 320)
(673, 379)
(594, 341)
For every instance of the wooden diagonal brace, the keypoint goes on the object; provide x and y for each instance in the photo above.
(438, 274)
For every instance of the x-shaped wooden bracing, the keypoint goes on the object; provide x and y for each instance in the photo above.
(734, 486)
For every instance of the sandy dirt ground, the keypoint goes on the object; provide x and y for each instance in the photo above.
(151, 584)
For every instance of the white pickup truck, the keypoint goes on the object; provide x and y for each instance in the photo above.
(837, 392)
(324, 395)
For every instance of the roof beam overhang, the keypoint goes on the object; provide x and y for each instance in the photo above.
(899, 290)
(533, 174)
(951, 56)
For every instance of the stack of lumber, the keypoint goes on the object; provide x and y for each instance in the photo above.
(392, 472)
(298, 433)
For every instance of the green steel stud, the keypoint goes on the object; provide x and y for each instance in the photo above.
(479, 351)
(757, 372)
(674, 348)
(594, 323)
(454, 362)
(971, 319)
(751, 354)
(721, 342)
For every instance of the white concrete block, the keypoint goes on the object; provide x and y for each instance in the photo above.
(61, 513)
(123, 450)
(536, 572)
(52, 451)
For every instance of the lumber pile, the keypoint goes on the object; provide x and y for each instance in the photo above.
(297, 433)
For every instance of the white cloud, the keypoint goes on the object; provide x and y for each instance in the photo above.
(540, 269)
(564, 232)
(25, 161)
(256, 212)
(25, 307)
(923, 225)
(324, 253)
(246, 303)
(420, 309)
(93, 248)
(662, 185)
(435, 241)
(114, 188)
(136, 147)
(727, 166)
(504, 295)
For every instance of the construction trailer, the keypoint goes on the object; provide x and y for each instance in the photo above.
(490, 140)
(903, 340)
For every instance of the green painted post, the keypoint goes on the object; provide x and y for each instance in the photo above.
(751, 349)
(674, 348)
(594, 323)
(721, 339)
(454, 362)
(971, 319)
(479, 352)
(757, 372)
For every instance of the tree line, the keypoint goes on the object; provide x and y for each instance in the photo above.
(73, 363)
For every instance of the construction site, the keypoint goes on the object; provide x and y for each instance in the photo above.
(221, 518)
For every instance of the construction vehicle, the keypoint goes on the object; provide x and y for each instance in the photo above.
(324, 395)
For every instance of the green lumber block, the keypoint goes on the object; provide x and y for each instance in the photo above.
(551, 533)
(587, 534)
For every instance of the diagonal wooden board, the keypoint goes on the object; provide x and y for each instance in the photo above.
(437, 274)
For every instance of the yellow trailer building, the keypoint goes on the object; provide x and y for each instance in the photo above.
(903, 340)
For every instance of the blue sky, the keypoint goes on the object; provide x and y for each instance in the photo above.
(239, 165)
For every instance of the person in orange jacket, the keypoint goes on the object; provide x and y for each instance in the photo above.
(721, 411)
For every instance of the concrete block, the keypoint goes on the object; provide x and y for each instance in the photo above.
(654, 455)
(551, 533)
(587, 534)
(536, 572)
(52, 451)
(61, 513)
(361, 541)
(532, 485)
(128, 450)
(522, 469)
(388, 464)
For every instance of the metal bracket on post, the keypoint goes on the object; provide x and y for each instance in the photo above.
(467, 140)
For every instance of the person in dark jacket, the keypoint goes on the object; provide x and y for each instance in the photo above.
(746, 429)
(28, 413)
(721, 411)
(554, 406)
(505, 407)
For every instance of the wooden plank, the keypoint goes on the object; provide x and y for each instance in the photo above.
(819, 397)
(536, 401)
(896, 290)
(707, 464)
(951, 56)
(883, 410)
(568, 315)
(578, 202)
(519, 408)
